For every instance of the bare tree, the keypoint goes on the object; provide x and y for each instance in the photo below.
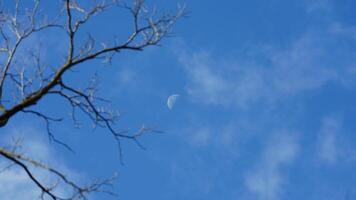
(25, 80)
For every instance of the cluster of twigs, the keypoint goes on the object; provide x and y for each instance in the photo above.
(23, 86)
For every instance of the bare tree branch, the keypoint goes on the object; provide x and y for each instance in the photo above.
(24, 83)
(78, 191)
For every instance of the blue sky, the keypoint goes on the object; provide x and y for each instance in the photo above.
(266, 108)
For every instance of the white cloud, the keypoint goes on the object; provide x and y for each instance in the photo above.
(304, 65)
(206, 82)
(201, 136)
(343, 30)
(15, 183)
(209, 81)
(318, 5)
(128, 78)
(333, 145)
(225, 137)
(266, 180)
(327, 147)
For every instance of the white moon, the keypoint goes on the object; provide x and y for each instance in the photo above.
(172, 100)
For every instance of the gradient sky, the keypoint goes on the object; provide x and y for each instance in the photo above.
(266, 109)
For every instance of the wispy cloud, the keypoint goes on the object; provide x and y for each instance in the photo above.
(343, 30)
(333, 145)
(327, 147)
(15, 183)
(201, 136)
(228, 137)
(207, 83)
(128, 78)
(267, 179)
(318, 5)
(306, 64)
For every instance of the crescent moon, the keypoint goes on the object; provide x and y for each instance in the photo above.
(172, 100)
